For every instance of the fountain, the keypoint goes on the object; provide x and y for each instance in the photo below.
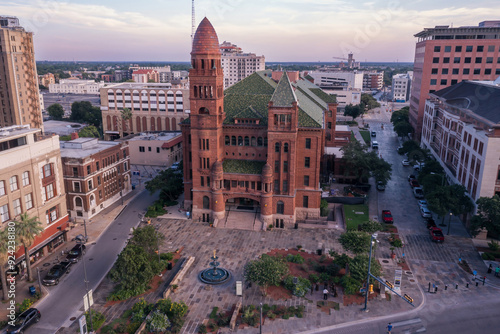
(214, 275)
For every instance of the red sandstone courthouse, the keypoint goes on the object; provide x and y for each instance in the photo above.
(257, 146)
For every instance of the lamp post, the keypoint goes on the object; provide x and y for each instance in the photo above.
(260, 331)
(449, 224)
(442, 178)
(81, 240)
(374, 236)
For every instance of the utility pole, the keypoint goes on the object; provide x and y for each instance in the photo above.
(368, 275)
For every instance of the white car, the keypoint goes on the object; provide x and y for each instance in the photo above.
(405, 162)
(422, 203)
(418, 166)
(425, 212)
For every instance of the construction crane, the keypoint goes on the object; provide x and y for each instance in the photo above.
(350, 60)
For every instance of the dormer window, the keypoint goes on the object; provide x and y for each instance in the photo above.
(246, 121)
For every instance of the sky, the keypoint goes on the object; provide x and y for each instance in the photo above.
(281, 30)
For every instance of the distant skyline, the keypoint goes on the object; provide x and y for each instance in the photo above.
(281, 30)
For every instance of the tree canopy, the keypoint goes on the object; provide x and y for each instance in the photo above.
(400, 119)
(369, 101)
(488, 215)
(355, 241)
(89, 132)
(363, 164)
(56, 111)
(266, 271)
(354, 110)
(84, 111)
(170, 184)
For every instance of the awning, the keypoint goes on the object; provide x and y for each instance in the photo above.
(40, 245)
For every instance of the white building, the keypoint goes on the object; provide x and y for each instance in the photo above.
(401, 84)
(338, 80)
(461, 127)
(237, 65)
(345, 97)
(76, 86)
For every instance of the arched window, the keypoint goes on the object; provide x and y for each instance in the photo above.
(228, 141)
(138, 123)
(285, 148)
(195, 91)
(144, 123)
(78, 201)
(233, 140)
(247, 141)
(260, 142)
(153, 125)
(254, 142)
(203, 110)
(108, 121)
(174, 124)
(158, 121)
(167, 124)
(206, 202)
(240, 141)
(277, 147)
(203, 64)
(280, 208)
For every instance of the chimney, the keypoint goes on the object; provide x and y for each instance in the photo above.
(74, 135)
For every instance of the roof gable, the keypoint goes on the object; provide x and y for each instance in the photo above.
(283, 95)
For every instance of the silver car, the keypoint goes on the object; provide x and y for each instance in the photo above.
(424, 211)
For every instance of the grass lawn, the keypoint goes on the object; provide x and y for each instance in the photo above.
(353, 219)
(366, 136)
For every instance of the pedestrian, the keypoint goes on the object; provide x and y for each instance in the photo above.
(389, 328)
(490, 268)
(497, 271)
(325, 294)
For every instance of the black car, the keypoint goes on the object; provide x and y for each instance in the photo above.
(76, 253)
(24, 320)
(380, 186)
(56, 272)
(411, 177)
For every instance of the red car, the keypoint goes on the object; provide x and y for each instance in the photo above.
(414, 184)
(387, 217)
(436, 234)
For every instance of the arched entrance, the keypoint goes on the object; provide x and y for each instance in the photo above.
(243, 213)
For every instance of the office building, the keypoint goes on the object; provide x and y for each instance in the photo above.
(76, 86)
(401, 84)
(445, 56)
(237, 65)
(19, 101)
(373, 80)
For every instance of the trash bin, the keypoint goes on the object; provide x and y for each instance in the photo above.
(133, 187)
(169, 266)
(32, 290)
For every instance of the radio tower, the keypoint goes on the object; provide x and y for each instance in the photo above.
(192, 21)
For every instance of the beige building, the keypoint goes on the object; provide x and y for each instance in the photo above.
(154, 107)
(76, 86)
(31, 181)
(237, 65)
(155, 149)
(46, 79)
(96, 175)
(19, 101)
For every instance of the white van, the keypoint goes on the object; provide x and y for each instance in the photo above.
(374, 144)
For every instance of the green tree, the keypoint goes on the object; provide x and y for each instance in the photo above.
(370, 226)
(488, 215)
(147, 238)
(363, 164)
(89, 132)
(358, 267)
(380, 169)
(462, 202)
(27, 230)
(56, 111)
(84, 111)
(266, 271)
(401, 115)
(403, 129)
(170, 184)
(354, 110)
(355, 241)
(369, 101)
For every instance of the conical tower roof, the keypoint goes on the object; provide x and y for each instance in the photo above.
(205, 39)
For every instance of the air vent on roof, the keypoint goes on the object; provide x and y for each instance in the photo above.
(4, 133)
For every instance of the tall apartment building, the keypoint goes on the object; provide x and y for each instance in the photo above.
(445, 56)
(96, 175)
(31, 181)
(154, 107)
(373, 80)
(255, 148)
(461, 128)
(237, 65)
(401, 84)
(19, 101)
(145, 75)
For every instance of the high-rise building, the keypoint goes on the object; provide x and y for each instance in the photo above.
(445, 56)
(237, 65)
(255, 148)
(19, 100)
(401, 84)
(373, 80)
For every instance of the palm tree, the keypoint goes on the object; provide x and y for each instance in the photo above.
(4, 256)
(27, 230)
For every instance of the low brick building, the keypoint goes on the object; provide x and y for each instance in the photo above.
(155, 149)
(96, 174)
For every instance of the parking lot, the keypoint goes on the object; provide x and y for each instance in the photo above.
(67, 99)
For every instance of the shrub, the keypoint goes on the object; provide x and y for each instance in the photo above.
(266, 308)
(133, 327)
(493, 245)
(300, 289)
(98, 319)
(488, 256)
(271, 315)
(155, 210)
(322, 258)
(295, 258)
(157, 322)
(319, 268)
(223, 319)
(397, 243)
(350, 285)
(324, 277)
(286, 316)
(341, 260)
(313, 278)
(140, 310)
(166, 256)
(27, 302)
(370, 227)
(323, 208)
(202, 329)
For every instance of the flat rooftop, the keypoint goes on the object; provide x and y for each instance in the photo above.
(84, 147)
(62, 128)
(10, 132)
(161, 136)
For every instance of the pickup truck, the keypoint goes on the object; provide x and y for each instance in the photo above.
(387, 217)
(56, 273)
(436, 234)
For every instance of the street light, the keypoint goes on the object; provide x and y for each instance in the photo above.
(81, 240)
(442, 178)
(449, 224)
(374, 236)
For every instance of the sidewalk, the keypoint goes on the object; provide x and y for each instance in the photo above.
(95, 228)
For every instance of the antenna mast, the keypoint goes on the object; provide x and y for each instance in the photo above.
(192, 22)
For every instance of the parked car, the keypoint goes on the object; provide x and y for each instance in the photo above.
(436, 234)
(418, 193)
(380, 186)
(76, 253)
(374, 134)
(411, 177)
(425, 212)
(405, 162)
(431, 223)
(387, 217)
(418, 166)
(414, 183)
(422, 203)
(374, 144)
(24, 320)
(56, 273)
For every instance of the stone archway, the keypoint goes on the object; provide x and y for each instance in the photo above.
(242, 212)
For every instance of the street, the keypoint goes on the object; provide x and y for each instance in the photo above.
(66, 299)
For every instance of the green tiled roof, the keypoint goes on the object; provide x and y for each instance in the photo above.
(306, 121)
(248, 112)
(243, 166)
(310, 78)
(324, 96)
(283, 95)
